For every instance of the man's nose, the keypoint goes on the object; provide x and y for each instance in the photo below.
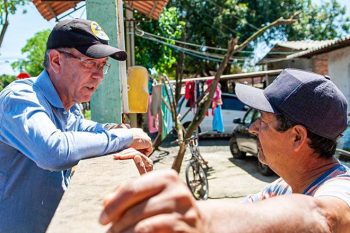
(97, 74)
(254, 127)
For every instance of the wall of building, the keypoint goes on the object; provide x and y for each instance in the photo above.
(298, 63)
(320, 64)
(339, 69)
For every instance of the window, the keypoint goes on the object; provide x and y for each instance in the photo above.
(232, 103)
(249, 116)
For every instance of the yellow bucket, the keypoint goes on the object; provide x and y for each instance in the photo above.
(137, 89)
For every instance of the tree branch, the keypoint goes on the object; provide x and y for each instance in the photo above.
(6, 23)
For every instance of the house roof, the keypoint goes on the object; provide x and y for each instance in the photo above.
(323, 48)
(302, 45)
(50, 9)
(284, 49)
(315, 49)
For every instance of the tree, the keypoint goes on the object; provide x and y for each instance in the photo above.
(203, 105)
(326, 22)
(8, 7)
(6, 80)
(35, 51)
(210, 24)
(161, 57)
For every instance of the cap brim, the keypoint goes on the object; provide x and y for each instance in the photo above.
(103, 50)
(253, 97)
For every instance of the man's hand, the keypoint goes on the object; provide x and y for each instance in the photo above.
(156, 202)
(110, 126)
(141, 141)
(142, 162)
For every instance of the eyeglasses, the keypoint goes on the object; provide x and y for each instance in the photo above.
(88, 63)
(263, 122)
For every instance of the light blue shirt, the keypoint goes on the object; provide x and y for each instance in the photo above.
(39, 143)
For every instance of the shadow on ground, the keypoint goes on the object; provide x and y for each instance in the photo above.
(250, 165)
(170, 141)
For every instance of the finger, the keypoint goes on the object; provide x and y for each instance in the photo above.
(140, 164)
(128, 195)
(165, 223)
(126, 154)
(147, 151)
(174, 199)
(146, 161)
(148, 164)
(141, 143)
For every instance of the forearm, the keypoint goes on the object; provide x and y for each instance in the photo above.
(53, 149)
(287, 214)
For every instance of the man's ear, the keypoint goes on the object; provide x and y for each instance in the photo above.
(299, 137)
(55, 62)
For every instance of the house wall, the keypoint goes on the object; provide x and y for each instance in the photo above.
(320, 64)
(298, 63)
(339, 69)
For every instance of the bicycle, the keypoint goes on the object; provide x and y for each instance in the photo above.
(196, 175)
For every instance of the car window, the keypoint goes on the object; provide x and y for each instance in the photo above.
(249, 116)
(256, 115)
(232, 103)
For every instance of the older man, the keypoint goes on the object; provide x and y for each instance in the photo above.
(43, 133)
(302, 115)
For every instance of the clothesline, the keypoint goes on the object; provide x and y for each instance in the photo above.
(235, 76)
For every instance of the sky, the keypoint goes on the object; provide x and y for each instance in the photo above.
(23, 26)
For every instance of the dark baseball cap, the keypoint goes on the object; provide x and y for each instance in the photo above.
(307, 98)
(86, 36)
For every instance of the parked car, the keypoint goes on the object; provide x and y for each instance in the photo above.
(232, 108)
(242, 142)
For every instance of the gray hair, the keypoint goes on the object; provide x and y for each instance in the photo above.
(46, 62)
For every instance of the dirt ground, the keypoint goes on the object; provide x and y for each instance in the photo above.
(79, 209)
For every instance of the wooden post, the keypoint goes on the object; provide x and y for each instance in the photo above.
(106, 103)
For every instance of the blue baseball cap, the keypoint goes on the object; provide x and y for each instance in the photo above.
(306, 98)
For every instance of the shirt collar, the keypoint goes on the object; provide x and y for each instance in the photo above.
(44, 83)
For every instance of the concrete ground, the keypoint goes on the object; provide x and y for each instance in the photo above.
(79, 209)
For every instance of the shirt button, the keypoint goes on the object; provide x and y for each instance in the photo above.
(65, 113)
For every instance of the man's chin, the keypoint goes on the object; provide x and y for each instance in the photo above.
(261, 156)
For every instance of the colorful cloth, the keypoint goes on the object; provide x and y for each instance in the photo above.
(156, 99)
(167, 121)
(218, 124)
(334, 182)
(189, 92)
(153, 122)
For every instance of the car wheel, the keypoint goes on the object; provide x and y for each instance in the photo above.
(264, 169)
(236, 153)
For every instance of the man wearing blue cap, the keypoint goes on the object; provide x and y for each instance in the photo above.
(302, 115)
(43, 133)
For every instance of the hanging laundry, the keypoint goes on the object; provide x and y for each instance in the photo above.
(156, 99)
(153, 122)
(150, 85)
(167, 122)
(218, 124)
(189, 92)
(217, 97)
